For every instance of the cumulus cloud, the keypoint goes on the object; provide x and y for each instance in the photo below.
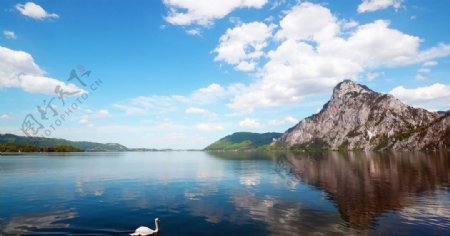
(311, 50)
(313, 55)
(243, 45)
(422, 95)
(9, 34)
(249, 123)
(18, 70)
(308, 21)
(348, 24)
(35, 11)
(204, 12)
(374, 5)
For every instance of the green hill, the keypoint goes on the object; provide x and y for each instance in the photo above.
(10, 142)
(243, 141)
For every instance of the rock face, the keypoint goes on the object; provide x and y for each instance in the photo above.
(359, 118)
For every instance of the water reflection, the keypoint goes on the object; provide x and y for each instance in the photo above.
(365, 185)
(226, 193)
(39, 221)
(290, 217)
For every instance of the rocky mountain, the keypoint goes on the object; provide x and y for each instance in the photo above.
(358, 118)
(12, 139)
(243, 141)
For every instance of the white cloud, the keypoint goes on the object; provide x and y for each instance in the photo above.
(250, 123)
(195, 110)
(375, 44)
(84, 120)
(90, 115)
(429, 63)
(209, 127)
(422, 95)
(151, 104)
(374, 5)
(313, 50)
(246, 66)
(9, 34)
(201, 111)
(286, 120)
(308, 21)
(35, 11)
(313, 56)
(161, 104)
(5, 117)
(102, 113)
(348, 24)
(18, 70)
(195, 32)
(204, 12)
(243, 45)
(420, 77)
(426, 68)
(211, 93)
(373, 75)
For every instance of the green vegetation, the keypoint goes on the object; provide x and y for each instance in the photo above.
(382, 144)
(316, 145)
(408, 133)
(386, 142)
(32, 148)
(39, 144)
(244, 141)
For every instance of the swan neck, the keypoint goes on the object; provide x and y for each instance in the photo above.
(156, 226)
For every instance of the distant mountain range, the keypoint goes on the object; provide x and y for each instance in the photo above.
(358, 118)
(244, 141)
(21, 141)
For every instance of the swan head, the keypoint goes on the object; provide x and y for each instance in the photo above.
(157, 219)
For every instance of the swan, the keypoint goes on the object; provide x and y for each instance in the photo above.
(142, 231)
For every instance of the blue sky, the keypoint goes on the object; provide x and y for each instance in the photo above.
(183, 73)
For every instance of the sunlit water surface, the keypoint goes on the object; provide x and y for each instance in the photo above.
(198, 193)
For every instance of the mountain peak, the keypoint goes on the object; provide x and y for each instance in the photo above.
(349, 86)
(358, 118)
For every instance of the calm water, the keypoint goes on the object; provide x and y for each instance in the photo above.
(197, 193)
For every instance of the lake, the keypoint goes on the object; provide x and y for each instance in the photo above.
(199, 193)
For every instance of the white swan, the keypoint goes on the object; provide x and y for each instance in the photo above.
(142, 231)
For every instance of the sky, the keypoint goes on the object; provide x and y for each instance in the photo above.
(184, 73)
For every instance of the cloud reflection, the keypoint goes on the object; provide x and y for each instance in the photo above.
(39, 221)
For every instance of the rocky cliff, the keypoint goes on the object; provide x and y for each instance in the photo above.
(358, 118)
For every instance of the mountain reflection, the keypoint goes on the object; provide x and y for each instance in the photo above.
(365, 185)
